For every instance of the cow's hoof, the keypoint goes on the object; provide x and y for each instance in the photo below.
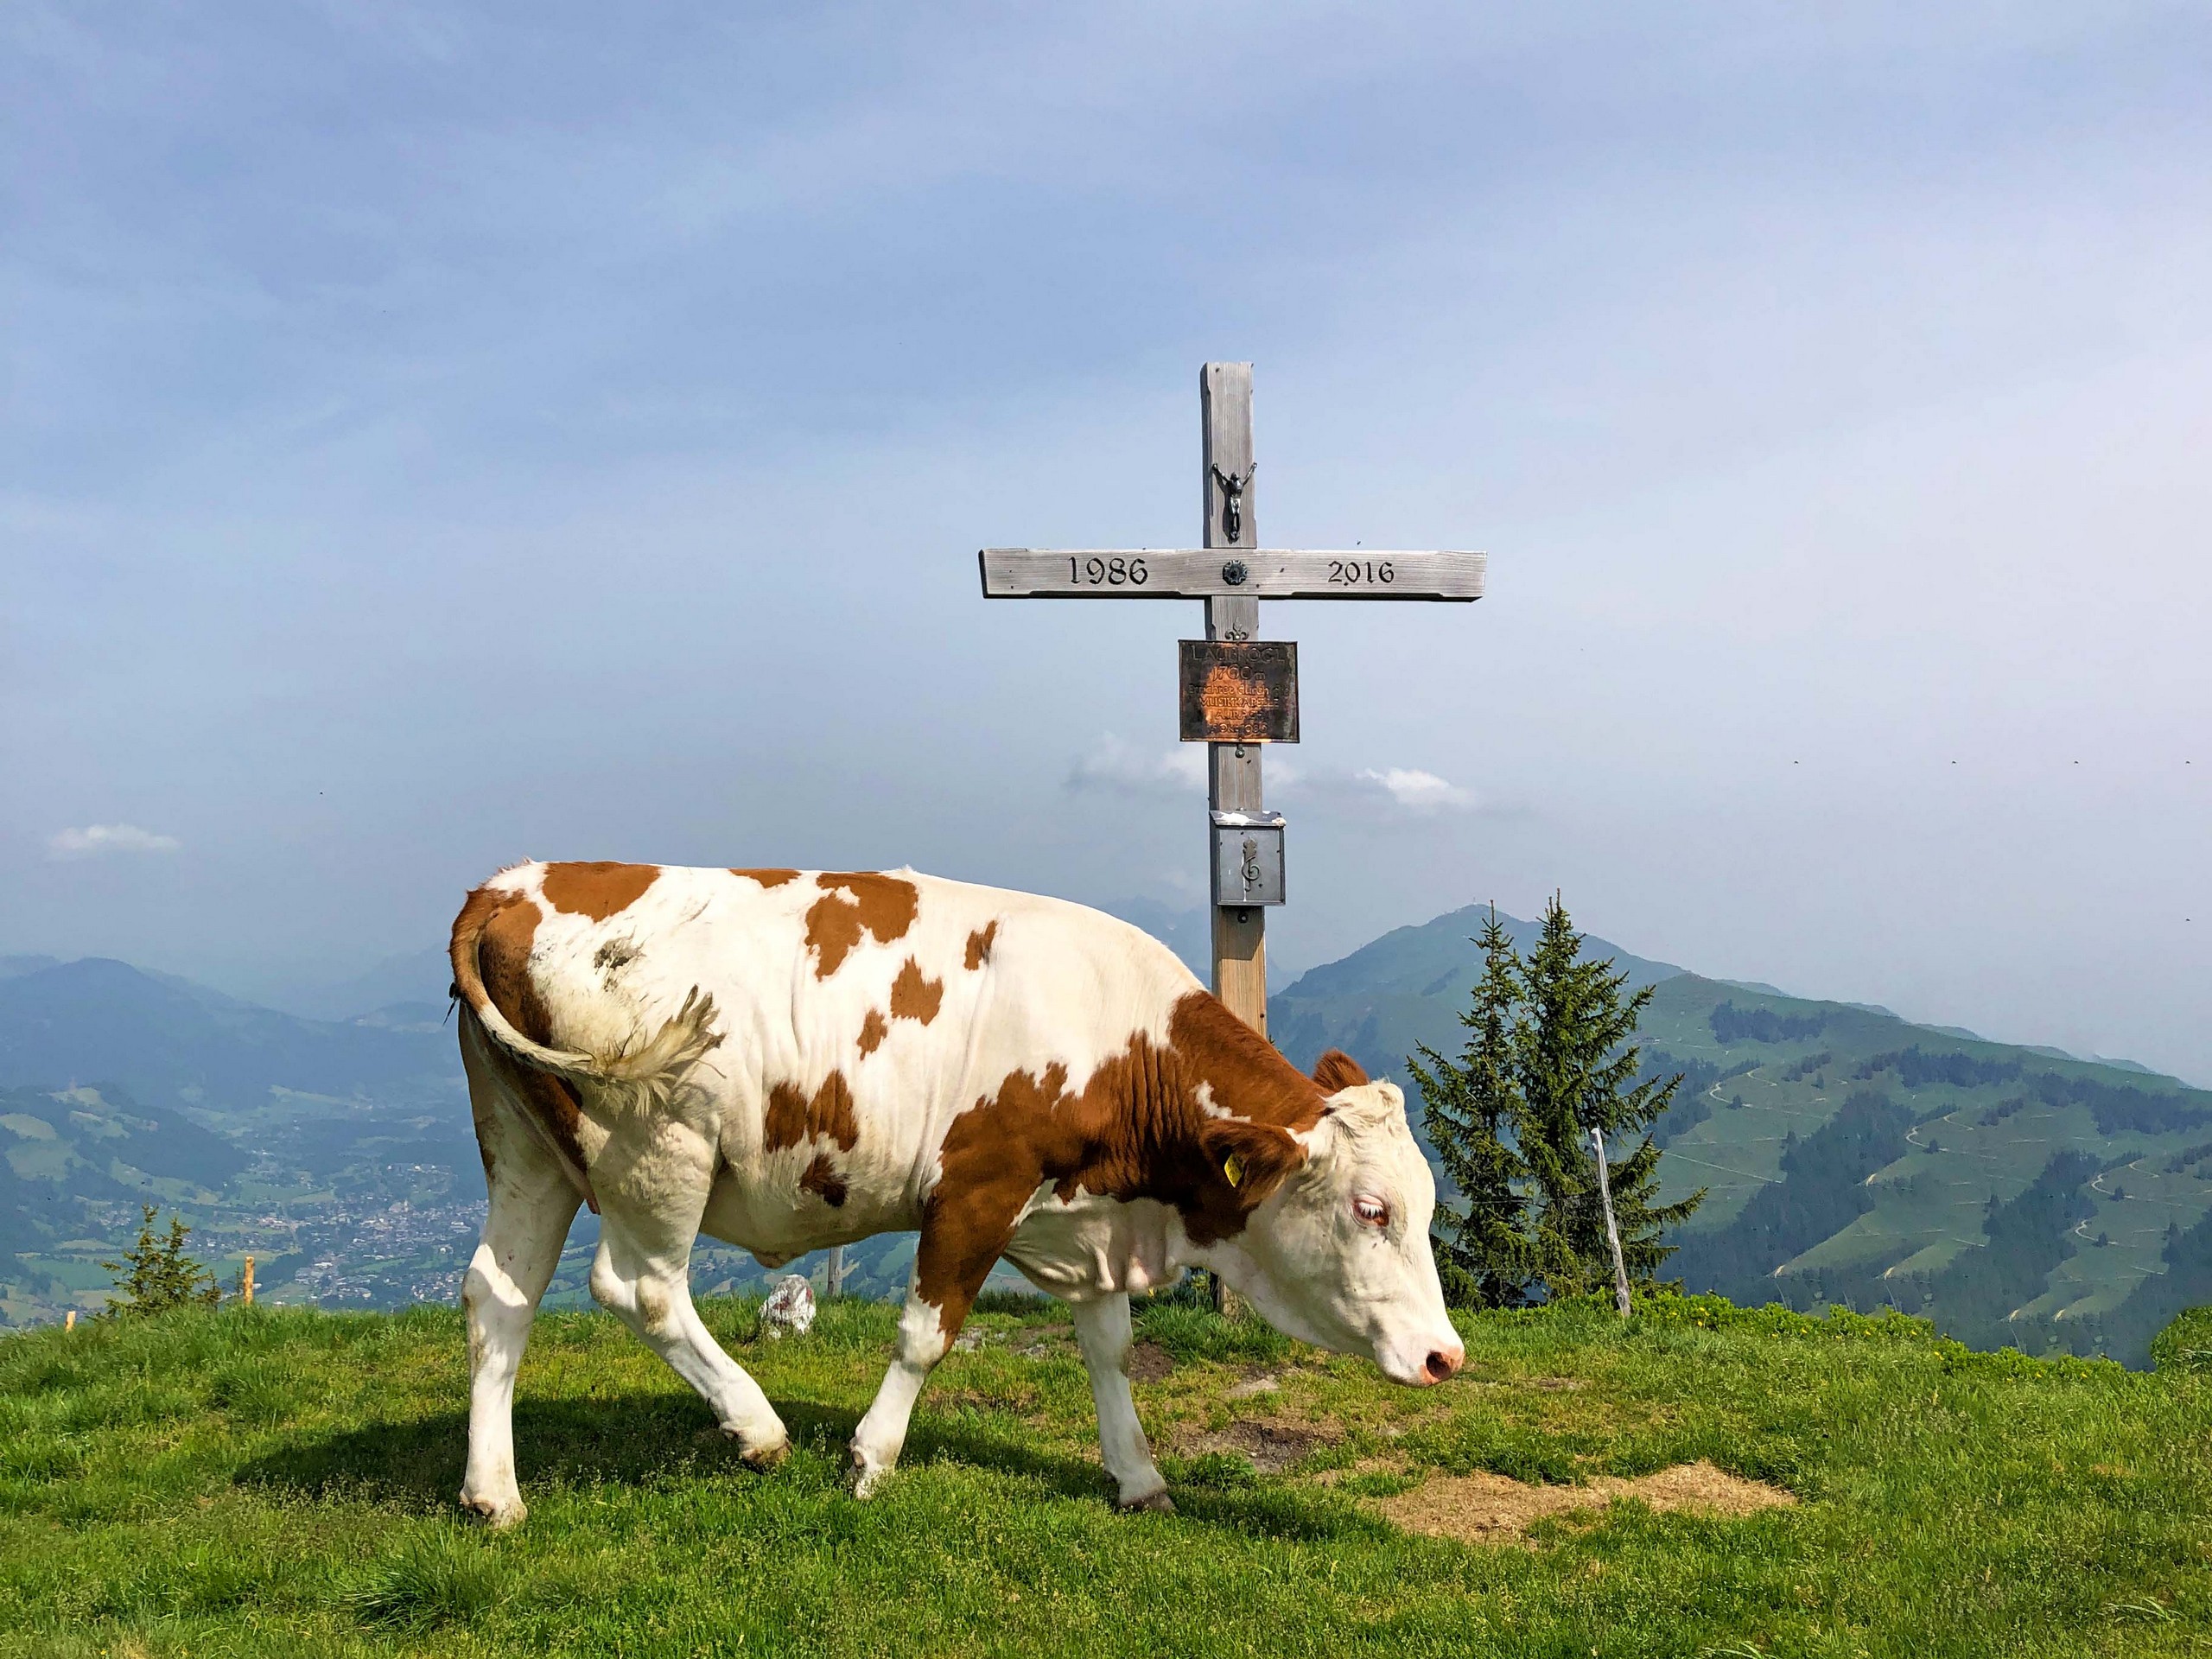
(1151, 1503)
(862, 1479)
(499, 1514)
(761, 1458)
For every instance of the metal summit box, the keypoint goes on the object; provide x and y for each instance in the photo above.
(1247, 859)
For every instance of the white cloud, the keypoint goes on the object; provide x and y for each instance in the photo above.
(1115, 767)
(1418, 791)
(95, 839)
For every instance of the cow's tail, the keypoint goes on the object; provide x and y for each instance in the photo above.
(636, 1076)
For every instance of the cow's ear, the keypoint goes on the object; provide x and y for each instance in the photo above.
(1337, 1071)
(1250, 1159)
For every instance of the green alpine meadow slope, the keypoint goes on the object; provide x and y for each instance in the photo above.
(2015, 1196)
(1696, 1481)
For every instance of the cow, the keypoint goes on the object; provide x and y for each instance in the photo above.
(789, 1060)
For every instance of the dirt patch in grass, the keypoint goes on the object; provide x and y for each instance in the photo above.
(946, 1402)
(1150, 1362)
(1269, 1444)
(1491, 1509)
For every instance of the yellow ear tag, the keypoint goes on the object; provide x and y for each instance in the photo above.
(1233, 1166)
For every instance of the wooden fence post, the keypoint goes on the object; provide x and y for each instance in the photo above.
(245, 1282)
(1612, 1232)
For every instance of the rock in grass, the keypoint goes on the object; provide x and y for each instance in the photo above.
(790, 1308)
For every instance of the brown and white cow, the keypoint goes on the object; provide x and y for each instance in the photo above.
(790, 1060)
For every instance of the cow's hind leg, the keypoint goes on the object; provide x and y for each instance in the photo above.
(532, 1203)
(1102, 1329)
(651, 1202)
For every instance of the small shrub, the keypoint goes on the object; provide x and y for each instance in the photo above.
(156, 1274)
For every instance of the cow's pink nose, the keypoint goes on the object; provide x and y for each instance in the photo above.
(1444, 1362)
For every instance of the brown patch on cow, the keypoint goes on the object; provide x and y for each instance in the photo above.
(883, 906)
(1337, 1071)
(1491, 1509)
(597, 891)
(492, 941)
(1248, 1075)
(822, 1177)
(979, 945)
(768, 878)
(913, 997)
(873, 1030)
(1135, 1130)
(794, 1118)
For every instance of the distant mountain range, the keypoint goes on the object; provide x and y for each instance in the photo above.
(2013, 1194)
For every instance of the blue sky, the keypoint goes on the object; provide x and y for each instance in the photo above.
(431, 437)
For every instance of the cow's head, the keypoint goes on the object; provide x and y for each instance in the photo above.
(1337, 1253)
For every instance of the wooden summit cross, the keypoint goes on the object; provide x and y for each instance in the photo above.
(1238, 692)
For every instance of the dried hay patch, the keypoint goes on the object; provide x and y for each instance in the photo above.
(1491, 1509)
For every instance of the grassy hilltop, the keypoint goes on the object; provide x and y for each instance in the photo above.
(1699, 1482)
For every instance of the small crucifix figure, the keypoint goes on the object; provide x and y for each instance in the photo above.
(1237, 693)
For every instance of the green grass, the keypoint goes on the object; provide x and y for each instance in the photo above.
(280, 1483)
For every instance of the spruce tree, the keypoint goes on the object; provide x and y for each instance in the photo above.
(1577, 1070)
(1471, 1105)
(156, 1274)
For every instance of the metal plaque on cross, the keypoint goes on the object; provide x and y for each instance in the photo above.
(1237, 690)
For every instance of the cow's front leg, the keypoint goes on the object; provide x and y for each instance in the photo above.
(953, 1257)
(1102, 1329)
(882, 1435)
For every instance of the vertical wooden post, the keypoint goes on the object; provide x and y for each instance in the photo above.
(1240, 941)
(1240, 945)
(834, 1279)
(1613, 1233)
(245, 1282)
(69, 1321)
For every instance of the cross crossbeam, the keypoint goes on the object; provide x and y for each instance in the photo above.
(1230, 572)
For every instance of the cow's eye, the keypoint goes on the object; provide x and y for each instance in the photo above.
(1373, 1211)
